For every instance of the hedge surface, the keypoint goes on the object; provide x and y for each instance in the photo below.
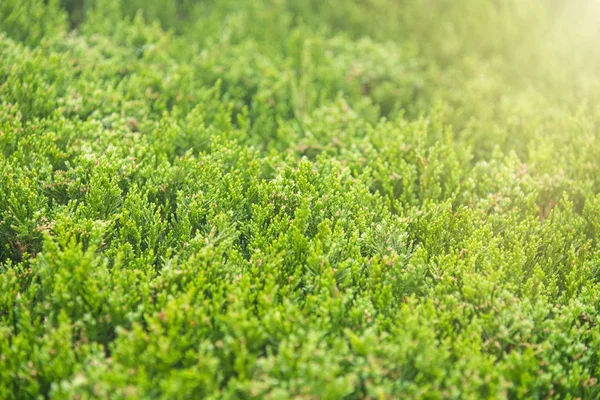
(307, 199)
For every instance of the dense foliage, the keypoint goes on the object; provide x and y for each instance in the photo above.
(311, 199)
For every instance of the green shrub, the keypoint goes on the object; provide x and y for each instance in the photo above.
(282, 199)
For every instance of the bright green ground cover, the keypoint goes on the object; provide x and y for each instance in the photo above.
(280, 198)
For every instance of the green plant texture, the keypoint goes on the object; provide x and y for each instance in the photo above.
(358, 199)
